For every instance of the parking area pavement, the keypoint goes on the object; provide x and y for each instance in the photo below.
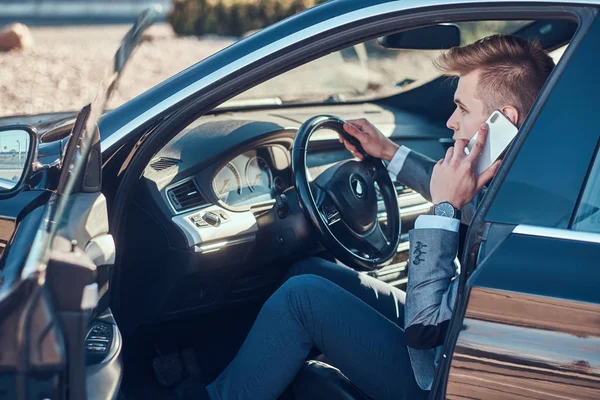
(62, 70)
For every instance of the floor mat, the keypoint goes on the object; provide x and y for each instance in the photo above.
(202, 345)
(192, 388)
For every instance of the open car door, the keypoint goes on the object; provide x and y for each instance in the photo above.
(59, 339)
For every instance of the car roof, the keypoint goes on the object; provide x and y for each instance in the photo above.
(116, 125)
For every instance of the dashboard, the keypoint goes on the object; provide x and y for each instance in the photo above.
(210, 183)
(255, 176)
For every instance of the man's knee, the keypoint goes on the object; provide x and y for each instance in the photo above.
(306, 266)
(298, 290)
(304, 282)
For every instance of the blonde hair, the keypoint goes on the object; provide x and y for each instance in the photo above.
(512, 70)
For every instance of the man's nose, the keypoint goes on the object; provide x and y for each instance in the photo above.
(452, 123)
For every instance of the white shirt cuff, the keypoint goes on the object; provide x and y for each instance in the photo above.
(397, 162)
(437, 222)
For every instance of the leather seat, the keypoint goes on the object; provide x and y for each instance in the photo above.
(318, 380)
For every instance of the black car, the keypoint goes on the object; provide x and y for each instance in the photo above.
(137, 245)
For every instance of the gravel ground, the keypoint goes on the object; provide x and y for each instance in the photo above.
(62, 70)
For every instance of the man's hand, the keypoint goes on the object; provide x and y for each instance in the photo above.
(372, 140)
(454, 179)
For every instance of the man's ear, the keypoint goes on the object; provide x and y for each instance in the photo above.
(511, 113)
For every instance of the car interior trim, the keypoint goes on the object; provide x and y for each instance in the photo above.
(540, 231)
(89, 298)
(233, 225)
(101, 249)
(418, 209)
(209, 248)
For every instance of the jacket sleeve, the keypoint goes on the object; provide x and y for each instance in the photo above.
(431, 290)
(416, 173)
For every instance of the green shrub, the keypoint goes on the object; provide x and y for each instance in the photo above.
(231, 17)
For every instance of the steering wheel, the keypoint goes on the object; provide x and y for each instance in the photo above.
(342, 202)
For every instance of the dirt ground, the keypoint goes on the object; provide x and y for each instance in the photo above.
(61, 72)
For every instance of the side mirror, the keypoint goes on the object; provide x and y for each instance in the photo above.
(18, 148)
(435, 37)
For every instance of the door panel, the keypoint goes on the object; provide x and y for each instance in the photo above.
(87, 223)
(103, 379)
(531, 328)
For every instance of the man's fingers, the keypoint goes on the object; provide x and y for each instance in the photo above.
(477, 148)
(362, 124)
(459, 148)
(349, 147)
(357, 154)
(355, 131)
(449, 154)
(488, 174)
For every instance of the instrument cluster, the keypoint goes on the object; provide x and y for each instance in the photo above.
(255, 176)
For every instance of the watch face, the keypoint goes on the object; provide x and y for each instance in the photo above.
(444, 210)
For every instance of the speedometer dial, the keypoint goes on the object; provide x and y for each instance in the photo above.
(259, 175)
(227, 182)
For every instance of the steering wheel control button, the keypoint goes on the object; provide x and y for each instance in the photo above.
(331, 213)
(282, 205)
(212, 218)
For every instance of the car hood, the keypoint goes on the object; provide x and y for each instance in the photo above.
(41, 122)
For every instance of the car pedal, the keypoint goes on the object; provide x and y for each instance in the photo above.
(168, 369)
(190, 362)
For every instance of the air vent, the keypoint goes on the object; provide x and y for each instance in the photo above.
(186, 196)
(163, 163)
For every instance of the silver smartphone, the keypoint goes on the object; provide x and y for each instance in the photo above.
(501, 132)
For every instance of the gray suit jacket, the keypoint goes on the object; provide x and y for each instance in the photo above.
(432, 283)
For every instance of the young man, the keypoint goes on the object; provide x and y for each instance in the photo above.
(387, 349)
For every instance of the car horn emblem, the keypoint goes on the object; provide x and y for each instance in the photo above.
(359, 191)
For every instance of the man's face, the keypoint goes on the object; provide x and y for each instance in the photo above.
(470, 112)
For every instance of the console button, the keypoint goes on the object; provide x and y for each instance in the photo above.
(212, 218)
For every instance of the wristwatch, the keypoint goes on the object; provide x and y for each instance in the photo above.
(445, 209)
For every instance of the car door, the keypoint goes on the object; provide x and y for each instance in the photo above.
(58, 259)
(531, 327)
(80, 258)
(58, 333)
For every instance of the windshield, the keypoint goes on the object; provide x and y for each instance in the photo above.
(365, 71)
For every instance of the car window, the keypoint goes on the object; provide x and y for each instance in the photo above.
(363, 72)
(587, 216)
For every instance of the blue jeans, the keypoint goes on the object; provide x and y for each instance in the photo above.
(356, 321)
